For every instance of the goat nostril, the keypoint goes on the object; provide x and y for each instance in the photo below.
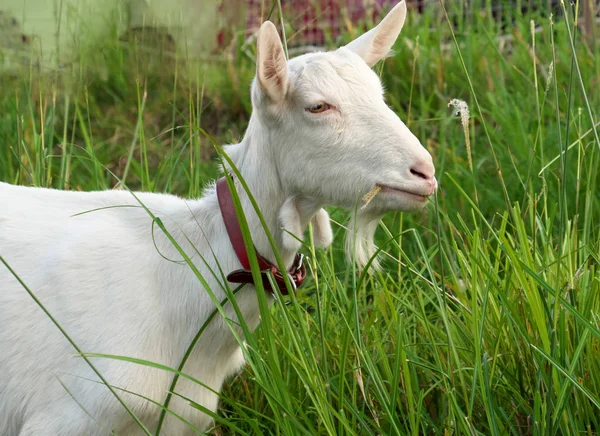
(418, 174)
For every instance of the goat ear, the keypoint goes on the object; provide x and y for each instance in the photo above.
(375, 45)
(271, 67)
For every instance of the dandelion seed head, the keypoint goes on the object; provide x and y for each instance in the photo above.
(461, 107)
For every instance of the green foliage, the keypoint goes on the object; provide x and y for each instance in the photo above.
(484, 319)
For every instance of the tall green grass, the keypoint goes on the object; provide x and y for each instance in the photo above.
(485, 318)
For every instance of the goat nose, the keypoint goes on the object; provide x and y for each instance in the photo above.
(423, 171)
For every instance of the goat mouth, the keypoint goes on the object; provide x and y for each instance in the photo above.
(410, 194)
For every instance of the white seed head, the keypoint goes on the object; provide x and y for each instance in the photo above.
(461, 107)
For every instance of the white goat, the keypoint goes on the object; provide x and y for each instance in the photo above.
(320, 134)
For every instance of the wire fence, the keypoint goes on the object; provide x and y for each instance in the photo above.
(319, 22)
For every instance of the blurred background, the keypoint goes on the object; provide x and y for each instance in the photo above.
(52, 34)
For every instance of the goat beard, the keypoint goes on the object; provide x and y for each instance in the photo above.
(359, 238)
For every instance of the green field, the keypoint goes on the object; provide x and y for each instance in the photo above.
(485, 318)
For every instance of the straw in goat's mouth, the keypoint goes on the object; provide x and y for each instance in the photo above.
(370, 195)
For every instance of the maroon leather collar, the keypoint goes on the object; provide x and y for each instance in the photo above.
(296, 273)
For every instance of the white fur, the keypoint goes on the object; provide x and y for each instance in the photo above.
(290, 217)
(322, 233)
(118, 286)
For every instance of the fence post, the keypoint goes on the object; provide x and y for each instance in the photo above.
(589, 19)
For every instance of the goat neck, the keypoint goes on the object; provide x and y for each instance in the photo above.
(286, 215)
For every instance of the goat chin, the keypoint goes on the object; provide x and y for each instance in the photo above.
(360, 247)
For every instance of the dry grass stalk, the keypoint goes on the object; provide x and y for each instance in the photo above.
(370, 195)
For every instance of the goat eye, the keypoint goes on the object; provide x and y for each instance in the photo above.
(318, 108)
